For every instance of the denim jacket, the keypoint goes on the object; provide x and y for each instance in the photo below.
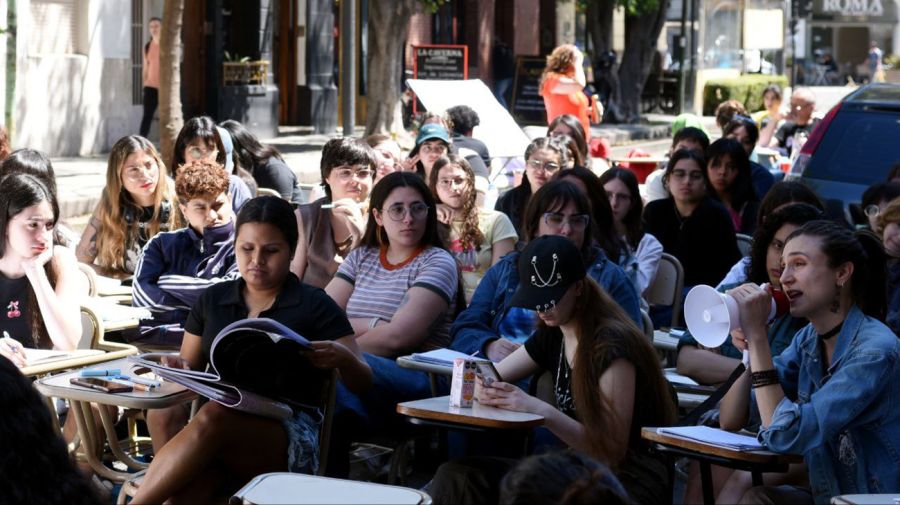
(846, 421)
(479, 324)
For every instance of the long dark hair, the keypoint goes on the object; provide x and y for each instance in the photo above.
(375, 235)
(36, 163)
(561, 478)
(784, 192)
(35, 466)
(742, 188)
(685, 154)
(603, 327)
(796, 214)
(634, 225)
(554, 196)
(864, 250)
(601, 218)
(272, 210)
(525, 187)
(20, 192)
(203, 127)
(575, 125)
(250, 151)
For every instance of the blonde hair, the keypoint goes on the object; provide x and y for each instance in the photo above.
(891, 214)
(115, 234)
(560, 61)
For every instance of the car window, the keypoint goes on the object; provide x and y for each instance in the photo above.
(859, 147)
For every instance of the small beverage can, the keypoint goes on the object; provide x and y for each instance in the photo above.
(462, 388)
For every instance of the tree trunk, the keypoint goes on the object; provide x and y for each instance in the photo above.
(606, 79)
(170, 115)
(641, 33)
(388, 30)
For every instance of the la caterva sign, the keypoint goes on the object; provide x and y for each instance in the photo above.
(441, 62)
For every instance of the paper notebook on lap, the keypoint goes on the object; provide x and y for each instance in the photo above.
(243, 368)
(715, 437)
(443, 357)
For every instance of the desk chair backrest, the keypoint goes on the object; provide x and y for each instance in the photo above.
(744, 243)
(91, 329)
(668, 286)
(329, 392)
(91, 277)
(648, 326)
(267, 192)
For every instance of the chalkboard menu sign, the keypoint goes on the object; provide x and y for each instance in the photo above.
(527, 103)
(438, 62)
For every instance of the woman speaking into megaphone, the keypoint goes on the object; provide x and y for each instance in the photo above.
(831, 394)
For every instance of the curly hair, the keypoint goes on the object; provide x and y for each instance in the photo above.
(726, 111)
(560, 61)
(463, 119)
(470, 235)
(796, 214)
(200, 178)
(115, 233)
(4, 143)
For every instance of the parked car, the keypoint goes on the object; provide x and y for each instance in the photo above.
(854, 146)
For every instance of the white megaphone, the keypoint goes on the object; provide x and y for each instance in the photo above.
(711, 315)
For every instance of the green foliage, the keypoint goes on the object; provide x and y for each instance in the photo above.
(432, 6)
(632, 7)
(236, 58)
(746, 89)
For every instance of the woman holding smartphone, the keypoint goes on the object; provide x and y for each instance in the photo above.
(194, 464)
(607, 382)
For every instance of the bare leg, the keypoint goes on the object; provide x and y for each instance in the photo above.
(741, 482)
(693, 492)
(164, 424)
(245, 444)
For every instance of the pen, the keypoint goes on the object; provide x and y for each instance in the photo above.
(14, 349)
(134, 385)
(141, 380)
(100, 373)
(476, 353)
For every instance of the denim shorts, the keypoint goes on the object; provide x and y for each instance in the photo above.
(303, 442)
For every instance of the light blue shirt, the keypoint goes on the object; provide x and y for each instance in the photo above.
(846, 421)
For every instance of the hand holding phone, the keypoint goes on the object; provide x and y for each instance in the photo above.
(488, 372)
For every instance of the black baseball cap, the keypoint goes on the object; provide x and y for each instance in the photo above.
(547, 267)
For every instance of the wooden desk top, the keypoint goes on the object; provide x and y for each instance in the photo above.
(866, 499)
(77, 359)
(439, 409)
(296, 488)
(763, 457)
(125, 324)
(169, 394)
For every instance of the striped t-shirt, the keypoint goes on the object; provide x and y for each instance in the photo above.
(378, 292)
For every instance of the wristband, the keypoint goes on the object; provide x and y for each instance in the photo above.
(764, 378)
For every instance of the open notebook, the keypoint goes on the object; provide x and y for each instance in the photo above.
(242, 372)
(714, 436)
(442, 357)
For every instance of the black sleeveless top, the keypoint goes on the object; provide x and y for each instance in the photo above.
(15, 313)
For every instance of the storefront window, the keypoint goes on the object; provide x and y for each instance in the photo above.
(721, 34)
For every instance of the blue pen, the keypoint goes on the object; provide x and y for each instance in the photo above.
(100, 373)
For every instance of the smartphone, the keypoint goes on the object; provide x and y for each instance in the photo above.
(104, 385)
(488, 372)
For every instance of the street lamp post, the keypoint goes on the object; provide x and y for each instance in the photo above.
(348, 66)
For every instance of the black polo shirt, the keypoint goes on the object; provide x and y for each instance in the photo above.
(307, 310)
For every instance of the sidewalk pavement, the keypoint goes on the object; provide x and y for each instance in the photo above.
(81, 180)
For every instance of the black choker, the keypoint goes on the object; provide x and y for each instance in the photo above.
(834, 331)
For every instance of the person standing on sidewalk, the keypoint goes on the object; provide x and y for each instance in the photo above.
(150, 74)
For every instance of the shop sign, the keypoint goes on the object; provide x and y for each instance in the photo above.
(853, 8)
